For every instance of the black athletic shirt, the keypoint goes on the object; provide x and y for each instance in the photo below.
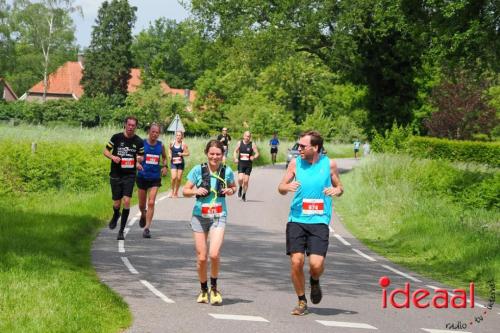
(127, 149)
(246, 150)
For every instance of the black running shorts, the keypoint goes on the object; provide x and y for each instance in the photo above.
(308, 238)
(245, 168)
(274, 150)
(122, 186)
(145, 184)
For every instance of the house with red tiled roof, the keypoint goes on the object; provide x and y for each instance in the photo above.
(64, 83)
(6, 92)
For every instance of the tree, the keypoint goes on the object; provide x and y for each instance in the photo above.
(6, 42)
(108, 59)
(46, 25)
(463, 109)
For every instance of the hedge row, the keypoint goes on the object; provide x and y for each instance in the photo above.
(453, 150)
(54, 166)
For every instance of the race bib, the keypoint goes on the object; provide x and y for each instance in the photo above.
(312, 206)
(244, 157)
(177, 160)
(127, 163)
(211, 210)
(152, 159)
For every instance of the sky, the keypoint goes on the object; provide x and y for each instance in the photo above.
(147, 11)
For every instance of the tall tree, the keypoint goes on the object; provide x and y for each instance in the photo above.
(108, 59)
(46, 25)
(6, 42)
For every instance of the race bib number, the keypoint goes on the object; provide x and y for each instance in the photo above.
(211, 210)
(244, 157)
(152, 159)
(127, 163)
(177, 160)
(312, 206)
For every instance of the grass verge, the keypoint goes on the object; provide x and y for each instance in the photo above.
(408, 211)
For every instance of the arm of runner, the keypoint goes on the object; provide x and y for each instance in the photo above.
(190, 190)
(287, 183)
(337, 189)
(185, 149)
(170, 152)
(256, 154)
(164, 166)
(115, 159)
(236, 152)
(230, 189)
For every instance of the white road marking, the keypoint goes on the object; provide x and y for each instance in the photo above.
(162, 198)
(401, 273)
(432, 287)
(441, 331)
(121, 246)
(342, 240)
(132, 221)
(237, 317)
(138, 214)
(364, 255)
(346, 324)
(129, 265)
(157, 292)
(331, 229)
(125, 232)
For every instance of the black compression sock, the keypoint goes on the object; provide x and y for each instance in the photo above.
(123, 222)
(303, 298)
(204, 285)
(313, 281)
(116, 213)
(213, 282)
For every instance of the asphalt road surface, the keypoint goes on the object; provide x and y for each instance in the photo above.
(157, 277)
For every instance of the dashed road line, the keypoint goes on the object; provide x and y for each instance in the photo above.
(441, 331)
(452, 294)
(157, 292)
(129, 265)
(332, 323)
(401, 273)
(342, 240)
(364, 255)
(121, 246)
(132, 221)
(125, 231)
(238, 317)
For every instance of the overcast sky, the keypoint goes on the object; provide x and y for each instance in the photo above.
(147, 11)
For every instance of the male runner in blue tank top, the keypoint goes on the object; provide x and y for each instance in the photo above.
(154, 166)
(314, 179)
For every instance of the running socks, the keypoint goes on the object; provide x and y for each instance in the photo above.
(123, 222)
(204, 285)
(303, 298)
(213, 282)
(313, 281)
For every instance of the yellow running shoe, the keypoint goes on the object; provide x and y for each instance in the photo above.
(215, 297)
(203, 297)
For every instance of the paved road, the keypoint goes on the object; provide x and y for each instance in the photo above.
(157, 277)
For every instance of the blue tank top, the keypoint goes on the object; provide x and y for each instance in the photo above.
(310, 204)
(151, 163)
(176, 159)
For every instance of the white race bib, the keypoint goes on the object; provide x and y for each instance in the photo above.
(127, 163)
(313, 206)
(244, 157)
(152, 159)
(211, 210)
(177, 160)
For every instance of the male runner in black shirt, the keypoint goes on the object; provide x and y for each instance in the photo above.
(125, 150)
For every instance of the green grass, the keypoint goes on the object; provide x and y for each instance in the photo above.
(405, 209)
(47, 282)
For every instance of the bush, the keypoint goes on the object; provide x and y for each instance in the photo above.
(465, 151)
(393, 141)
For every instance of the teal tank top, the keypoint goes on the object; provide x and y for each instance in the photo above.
(310, 204)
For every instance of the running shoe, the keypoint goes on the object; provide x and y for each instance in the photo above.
(244, 196)
(113, 222)
(215, 296)
(142, 221)
(203, 297)
(316, 294)
(120, 235)
(146, 233)
(239, 192)
(300, 309)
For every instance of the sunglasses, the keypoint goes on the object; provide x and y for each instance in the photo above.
(301, 146)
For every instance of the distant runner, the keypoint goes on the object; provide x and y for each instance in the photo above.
(225, 139)
(314, 180)
(356, 148)
(125, 151)
(245, 153)
(178, 150)
(154, 166)
(210, 182)
(274, 143)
